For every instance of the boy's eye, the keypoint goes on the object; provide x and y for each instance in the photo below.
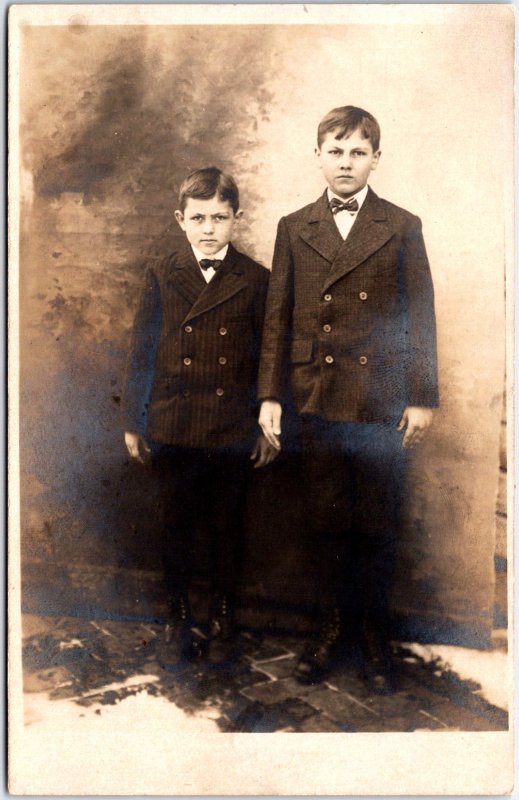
(220, 218)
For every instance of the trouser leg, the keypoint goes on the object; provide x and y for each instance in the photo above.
(229, 473)
(326, 485)
(226, 492)
(379, 477)
(333, 562)
(354, 478)
(380, 466)
(179, 471)
(326, 494)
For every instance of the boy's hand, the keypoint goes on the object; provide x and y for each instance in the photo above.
(263, 452)
(270, 422)
(415, 420)
(137, 447)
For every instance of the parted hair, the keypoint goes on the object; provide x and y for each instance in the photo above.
(209, 182)
(344, 120)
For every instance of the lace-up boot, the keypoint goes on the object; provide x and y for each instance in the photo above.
(317, 657)
(222, 638)
(179, 642)
(378, 668)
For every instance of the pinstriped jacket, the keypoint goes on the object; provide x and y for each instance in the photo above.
(191, 376)
(350, 326)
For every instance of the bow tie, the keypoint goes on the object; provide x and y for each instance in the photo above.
(208, 263)
(337, 205)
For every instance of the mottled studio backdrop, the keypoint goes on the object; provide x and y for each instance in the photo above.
(112, 118)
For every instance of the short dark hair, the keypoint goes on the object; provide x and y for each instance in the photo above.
(207, 183)
(345, 120)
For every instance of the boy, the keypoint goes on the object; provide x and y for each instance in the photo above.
(350, 331)
(191, 398)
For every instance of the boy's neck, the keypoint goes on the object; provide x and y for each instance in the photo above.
(359, 196)
(220, 255)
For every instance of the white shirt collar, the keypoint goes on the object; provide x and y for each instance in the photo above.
(359, 197)
(220, 255)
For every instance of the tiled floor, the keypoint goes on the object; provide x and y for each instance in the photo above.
(98, 662)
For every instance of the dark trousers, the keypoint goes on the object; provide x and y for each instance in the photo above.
(202, 489)
(354, 475)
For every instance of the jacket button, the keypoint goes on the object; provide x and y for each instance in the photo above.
(222, 331)
(186, 393)
(220, 392)
(363, 360)
(363, 295)
(329, 359)
(188, 329)
(187, 362)
(327, 328)
(327, 297)
(222, 360)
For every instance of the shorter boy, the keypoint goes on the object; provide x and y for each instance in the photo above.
(190, 399)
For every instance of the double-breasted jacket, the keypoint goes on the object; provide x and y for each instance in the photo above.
(191, 377)
(350, 326)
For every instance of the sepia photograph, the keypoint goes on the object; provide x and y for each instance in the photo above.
(261, 309)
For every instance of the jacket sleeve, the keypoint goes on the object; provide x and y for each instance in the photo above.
(421, 357)
(273, 379)
(141, 357)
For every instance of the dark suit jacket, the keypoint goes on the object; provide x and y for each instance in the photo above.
(191, 377)
(350, 326)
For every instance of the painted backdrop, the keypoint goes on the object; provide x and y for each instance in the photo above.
(112, 118)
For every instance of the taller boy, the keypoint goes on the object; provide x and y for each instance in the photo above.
(350, 334)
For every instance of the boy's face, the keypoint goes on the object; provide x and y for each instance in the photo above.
(208, 224)
(346, 163)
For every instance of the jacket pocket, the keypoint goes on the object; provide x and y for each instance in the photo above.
(301, 351)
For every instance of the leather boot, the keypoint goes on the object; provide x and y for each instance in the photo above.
(222, 640)
(317, 657)
(179, 642)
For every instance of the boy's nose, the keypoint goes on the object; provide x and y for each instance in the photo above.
(208, 226)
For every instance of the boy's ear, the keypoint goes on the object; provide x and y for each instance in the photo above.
(376, 159)
(238, 215)
(180, 219)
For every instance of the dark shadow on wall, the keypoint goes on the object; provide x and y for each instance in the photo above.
(112, 120)
(157, 105)
(138, 110)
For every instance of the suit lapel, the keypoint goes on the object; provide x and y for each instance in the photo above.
(321, 232)
(186, 276)
(228, 281)
(369, 233)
